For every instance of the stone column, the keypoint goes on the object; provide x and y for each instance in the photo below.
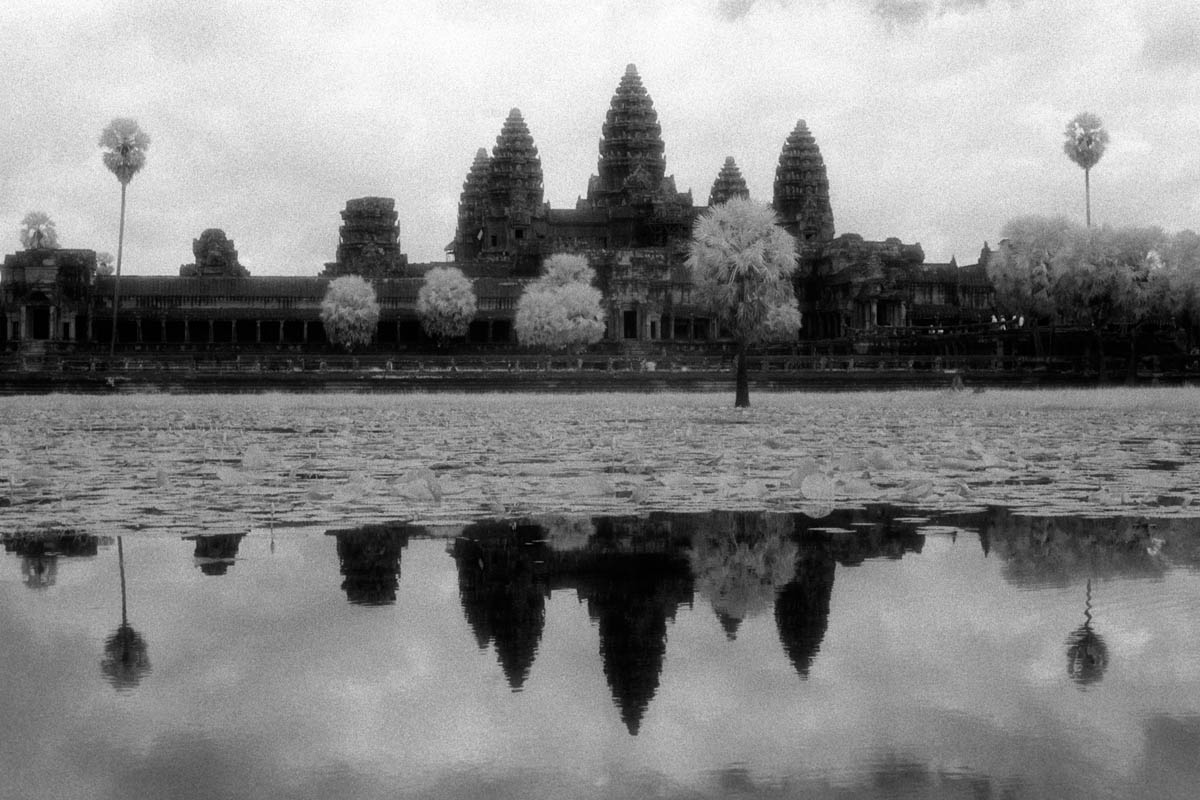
(304, 338)
(21, 333)
(54, 334)
(233, 331)
(210, 331)
(138, 320)
(162, 333)
(258, 331)
(491, 331)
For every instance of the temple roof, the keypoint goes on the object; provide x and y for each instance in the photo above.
(729, 184)
(802, 187)
(473, 200)
(631, 148)
(515, 170)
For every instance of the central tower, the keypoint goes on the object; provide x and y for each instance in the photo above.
(632, 165)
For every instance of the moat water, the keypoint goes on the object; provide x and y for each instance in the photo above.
(874, 652)
(437, 596)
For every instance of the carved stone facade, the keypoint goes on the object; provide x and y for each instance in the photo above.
(47, 294)
(632, 224)
(216, 257)
(369, 241)
(802, 188)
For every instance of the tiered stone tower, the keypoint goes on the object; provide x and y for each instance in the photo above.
(369, 241)
(472, 209)
(729, 184)
(216, 257)
(802, 188)
(514, 191)
(632, 162)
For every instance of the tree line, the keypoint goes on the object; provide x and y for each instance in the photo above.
(1054, 272)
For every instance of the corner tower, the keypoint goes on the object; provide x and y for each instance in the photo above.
(632, 162)
(802, 188)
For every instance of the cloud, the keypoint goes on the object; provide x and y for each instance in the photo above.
(1172, 42)
(734, 9)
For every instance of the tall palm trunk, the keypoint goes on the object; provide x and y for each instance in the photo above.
(121, 561)
(112, 347)
(1087, 195)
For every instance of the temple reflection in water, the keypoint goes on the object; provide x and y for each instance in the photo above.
(633, 575)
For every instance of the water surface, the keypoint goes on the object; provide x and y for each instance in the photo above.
(877, 651)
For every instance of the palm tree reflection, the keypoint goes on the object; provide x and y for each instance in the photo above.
(1087, 654)
(125, 657)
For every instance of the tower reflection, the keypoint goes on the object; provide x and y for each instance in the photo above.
(215, 552)
(370, 561)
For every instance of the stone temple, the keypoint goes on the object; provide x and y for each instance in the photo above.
(633, 224)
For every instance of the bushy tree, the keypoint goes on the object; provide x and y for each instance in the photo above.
(1085, 143)
(37, 230)
(125, 146)
(350, 311)
(1023, 269)
(561, 310)
(104, 263)
(1181, 274)
(742, 263)
(1112, 276)
(446, 303)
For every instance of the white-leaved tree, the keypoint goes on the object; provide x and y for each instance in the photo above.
(104, 263)
(561, 310)
(38, 231)
(350, 312)
(1025, 267)
(742, 264)
(446, 303)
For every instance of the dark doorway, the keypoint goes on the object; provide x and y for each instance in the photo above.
(39, 322)
(631, 326)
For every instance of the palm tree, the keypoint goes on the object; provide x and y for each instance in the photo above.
(1086, 140)
(1087, 653)
(38, 231)
(125, 146)
(742, 263)
(125, 660)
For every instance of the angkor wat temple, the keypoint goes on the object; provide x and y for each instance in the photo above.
(633, 224)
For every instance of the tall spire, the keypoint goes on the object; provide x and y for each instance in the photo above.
(515, 171)
(472, 207)
(632, 164)
(802, 188)
(729, 184)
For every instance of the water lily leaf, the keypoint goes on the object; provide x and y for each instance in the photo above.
(818, 487)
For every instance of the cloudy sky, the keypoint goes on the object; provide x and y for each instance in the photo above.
(938, 120)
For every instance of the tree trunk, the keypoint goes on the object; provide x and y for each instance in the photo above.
(1087, 195)
(1131, 374)
(742, 392)
(112, 347)
(1102, 366)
